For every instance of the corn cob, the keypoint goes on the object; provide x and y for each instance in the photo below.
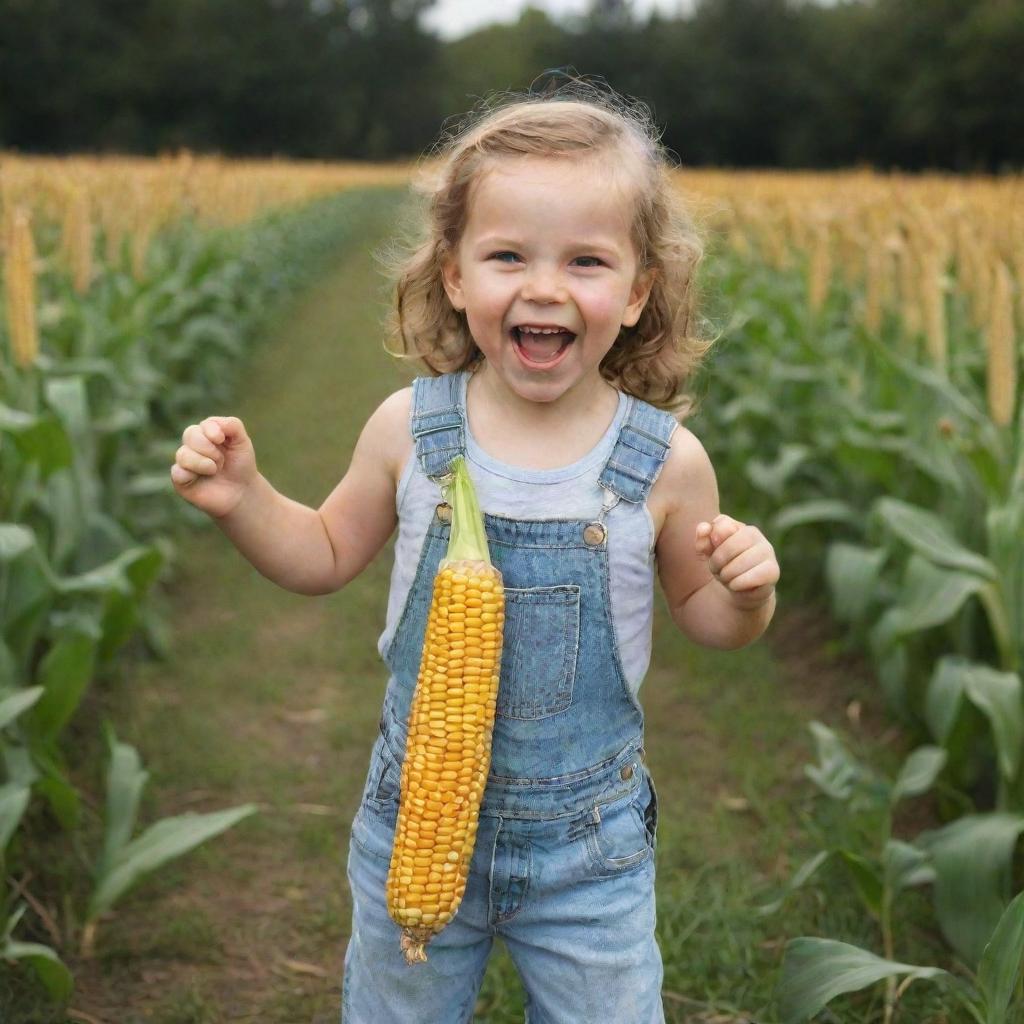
(448, 752)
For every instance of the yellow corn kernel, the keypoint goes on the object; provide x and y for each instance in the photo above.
(438, 813)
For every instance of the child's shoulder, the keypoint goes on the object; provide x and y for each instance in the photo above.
(391, 422)
(686, 476)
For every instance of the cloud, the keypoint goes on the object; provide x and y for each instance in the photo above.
(453, 18)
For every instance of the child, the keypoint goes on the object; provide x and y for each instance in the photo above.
(554, 297)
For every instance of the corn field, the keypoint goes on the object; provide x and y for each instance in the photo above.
(862, 403)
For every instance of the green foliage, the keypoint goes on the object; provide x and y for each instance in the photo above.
(48, 967)
(88, 514)
(124, 861)
(911, 531)
(967, 862)
(895, 83)
(815, 971)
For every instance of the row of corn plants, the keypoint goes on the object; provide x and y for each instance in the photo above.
(113, 335)
(863, 406)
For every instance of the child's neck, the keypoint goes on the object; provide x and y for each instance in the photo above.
(537, 435)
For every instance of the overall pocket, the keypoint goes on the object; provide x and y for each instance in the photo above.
(651, 813)
(540, 644)
(373, 828)
(383, 781)
(624, 838)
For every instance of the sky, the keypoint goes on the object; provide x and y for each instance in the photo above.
(454, 18)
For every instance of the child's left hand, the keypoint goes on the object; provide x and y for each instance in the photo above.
(740, 558)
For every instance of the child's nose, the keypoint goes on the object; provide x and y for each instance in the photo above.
(544, 284)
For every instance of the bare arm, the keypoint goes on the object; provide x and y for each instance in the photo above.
(704, 609)
(709, 617)
(359, 514)
(285, 540)
(317, 551)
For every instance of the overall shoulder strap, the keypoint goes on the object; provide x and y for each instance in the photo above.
(640, 450)
(436, 423)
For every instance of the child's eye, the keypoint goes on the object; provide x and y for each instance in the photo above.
(499, 255)
(597, 262)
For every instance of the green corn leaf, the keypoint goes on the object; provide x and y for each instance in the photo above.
(52, 784)
(996, 694)
(13, 704)
(772, 477)
(29, 594)
(897, 450)
(893, 668)
(49, 967)
(67, 396)
(121, 611)
(756, 405)
(159, 844)
(930, 537)
(919, 772)
(800, 876)
(64, 672)
(9, 674)
(973, 858)
(931, 596)
(906, 865)
(944, 696)
(875, 420)
(1005, 525)
(112, 575)
(852, 573)
(815, 971)
(203, 332)
(41, 440)
(18, 764)
(13, 801)
(820, 510)
(15, 540)
(12, 923)
(867, 879)
(125, 781)
(1001, 962)
(838, 771)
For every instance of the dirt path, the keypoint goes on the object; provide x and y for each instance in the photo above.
(273, 698)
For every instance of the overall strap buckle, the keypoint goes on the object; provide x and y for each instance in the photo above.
(437, 425)
(639, 452)
(595, 533)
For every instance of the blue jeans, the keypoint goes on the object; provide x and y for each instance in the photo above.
(571, 895)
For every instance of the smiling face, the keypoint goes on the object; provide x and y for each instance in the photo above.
(547, 245)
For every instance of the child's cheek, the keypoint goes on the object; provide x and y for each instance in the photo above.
(603, 306)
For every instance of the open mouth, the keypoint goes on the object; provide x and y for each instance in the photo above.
(541, 349)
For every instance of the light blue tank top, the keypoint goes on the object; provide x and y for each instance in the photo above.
(569, 492)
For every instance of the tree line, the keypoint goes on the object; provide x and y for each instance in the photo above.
(740, 83)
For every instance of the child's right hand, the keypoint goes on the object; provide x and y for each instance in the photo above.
(215, 464)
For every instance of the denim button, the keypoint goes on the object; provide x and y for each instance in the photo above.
(594, 534)
(627, 771)
(444, 512)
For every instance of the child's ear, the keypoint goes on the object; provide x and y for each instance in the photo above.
(451, 278)
(638, 296)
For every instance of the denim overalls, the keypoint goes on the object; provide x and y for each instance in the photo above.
(563, 867)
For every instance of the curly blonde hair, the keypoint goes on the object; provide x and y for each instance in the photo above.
(650, 360)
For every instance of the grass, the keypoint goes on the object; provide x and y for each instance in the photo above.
(274, 698)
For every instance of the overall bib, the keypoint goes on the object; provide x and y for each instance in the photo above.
(563, 867)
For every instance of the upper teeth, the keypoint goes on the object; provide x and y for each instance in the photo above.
(543, 330)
